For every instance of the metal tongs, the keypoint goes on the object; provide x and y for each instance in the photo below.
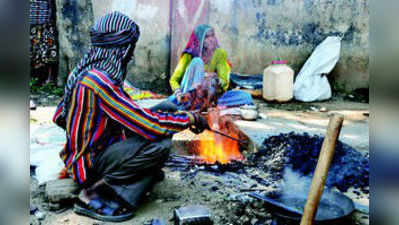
(228, 136)
(225, 135)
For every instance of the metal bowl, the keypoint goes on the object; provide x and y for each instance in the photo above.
(249, 112)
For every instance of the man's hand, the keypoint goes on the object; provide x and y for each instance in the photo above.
(199, 123)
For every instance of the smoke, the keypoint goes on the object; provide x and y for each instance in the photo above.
(296, 185)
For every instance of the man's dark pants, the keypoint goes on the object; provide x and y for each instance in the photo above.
(130, 167)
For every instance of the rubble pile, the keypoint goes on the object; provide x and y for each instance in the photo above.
(254, 213)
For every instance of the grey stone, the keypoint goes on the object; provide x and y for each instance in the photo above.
(54, 206)
(59, 190)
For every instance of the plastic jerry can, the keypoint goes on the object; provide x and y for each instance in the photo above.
(278, 82)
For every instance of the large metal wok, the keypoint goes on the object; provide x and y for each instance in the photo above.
(290, 206)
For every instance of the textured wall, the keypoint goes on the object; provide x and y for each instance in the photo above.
(254, 32)
(151, 64)
(74, 20)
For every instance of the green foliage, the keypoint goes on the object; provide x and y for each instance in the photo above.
(49, 88)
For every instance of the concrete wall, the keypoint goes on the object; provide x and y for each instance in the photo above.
(253, 32)
(74, 20)
(151, 64)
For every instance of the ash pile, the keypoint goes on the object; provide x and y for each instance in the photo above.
(300, 152)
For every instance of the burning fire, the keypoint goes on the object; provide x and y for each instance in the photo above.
(216, 148)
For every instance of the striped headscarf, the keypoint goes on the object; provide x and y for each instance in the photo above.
(113, 38)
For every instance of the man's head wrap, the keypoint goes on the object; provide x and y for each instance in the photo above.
(112, 37)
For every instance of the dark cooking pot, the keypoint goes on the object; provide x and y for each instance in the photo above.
(333, 206)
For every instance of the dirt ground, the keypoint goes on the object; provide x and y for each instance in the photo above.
(202, 189)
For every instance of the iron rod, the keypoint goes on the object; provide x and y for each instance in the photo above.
(228, 136)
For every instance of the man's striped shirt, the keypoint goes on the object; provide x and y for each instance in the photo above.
(99, 113)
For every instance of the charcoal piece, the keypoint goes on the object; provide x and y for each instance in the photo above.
(214, 188)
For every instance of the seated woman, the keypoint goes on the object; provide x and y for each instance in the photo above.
(202, 62)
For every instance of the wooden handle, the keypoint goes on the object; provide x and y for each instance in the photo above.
(321, 172)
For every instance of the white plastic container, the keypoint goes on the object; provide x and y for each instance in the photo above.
(278, 82)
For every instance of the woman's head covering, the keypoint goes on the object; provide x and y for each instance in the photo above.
(113, 39)
(195, 45)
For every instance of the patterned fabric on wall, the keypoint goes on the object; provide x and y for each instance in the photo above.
(43, 44)
(40, 12)
(43, 48)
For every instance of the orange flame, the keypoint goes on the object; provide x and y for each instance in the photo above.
(216, 148)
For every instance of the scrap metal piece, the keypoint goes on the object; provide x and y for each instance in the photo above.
(193, 215)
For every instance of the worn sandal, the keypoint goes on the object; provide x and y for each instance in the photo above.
(100, 210)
